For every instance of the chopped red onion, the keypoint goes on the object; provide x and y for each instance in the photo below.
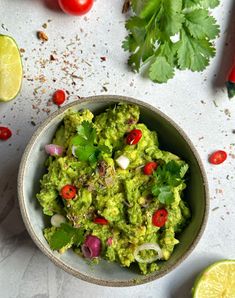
(91, 248)
(109, 241)
(54, 149)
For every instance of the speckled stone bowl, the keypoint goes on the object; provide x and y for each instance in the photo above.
(171, 138)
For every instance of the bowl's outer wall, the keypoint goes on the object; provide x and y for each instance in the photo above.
(171, 139)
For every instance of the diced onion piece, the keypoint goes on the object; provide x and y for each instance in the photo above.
(73, 150)
(91, 248)
(123, 162)
(147, 246)
(175, 38)
(109, 241)
(57, 220)
(53, 149)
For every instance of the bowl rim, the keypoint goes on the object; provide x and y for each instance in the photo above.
(47, 252)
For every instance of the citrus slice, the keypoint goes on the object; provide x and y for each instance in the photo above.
(10, 68)
(216, 281)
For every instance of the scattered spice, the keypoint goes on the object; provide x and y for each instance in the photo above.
(52, 58)
(103, 58)
(42, 36)
(215, 208)
(44, 25)
(22, 50)
(33, 123)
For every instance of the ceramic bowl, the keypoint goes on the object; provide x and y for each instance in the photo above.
(171, 138)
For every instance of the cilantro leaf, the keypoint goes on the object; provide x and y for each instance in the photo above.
(200, 25)
(150, 33)
(65, 235)
(160, 70)
(85, 149)
(194, 53)
(167, 177)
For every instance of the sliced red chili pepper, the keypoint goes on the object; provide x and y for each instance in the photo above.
(218, 157)
(150, 167)
(59, 97)
(134, 136)
(231, 76)
(5, 133)
(100, 221)
(68, 192)
(160, 217)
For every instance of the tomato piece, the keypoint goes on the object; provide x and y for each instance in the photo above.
(160, 217)
(68, 192)
(231, 76)
(59, 97)
(218, 157)
(5, 133)
(100, 221)
(150, 167)
(134, 137)
(76, 7)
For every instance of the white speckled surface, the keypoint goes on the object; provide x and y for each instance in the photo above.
(188, 99)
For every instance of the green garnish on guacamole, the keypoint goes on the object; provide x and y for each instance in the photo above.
(112, 193)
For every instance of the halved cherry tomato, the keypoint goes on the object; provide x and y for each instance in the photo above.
(76, 7)
(218, 157)
(59, 97)
(5, 133)
(134, 136)
(100, 221)
(160, 217)
(231, 76)
(68, 192)
(150, 167)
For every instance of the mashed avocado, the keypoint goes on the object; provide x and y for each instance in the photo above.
(124, 206)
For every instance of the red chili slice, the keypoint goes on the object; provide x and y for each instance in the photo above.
(160, 217)
(134, 136)
(68, 192)
(100, 221)
(59, 97)
(150, 167)
(218, 157)
(231, 76)
(5, 133)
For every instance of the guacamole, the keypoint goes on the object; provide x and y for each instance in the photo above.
(111, 192)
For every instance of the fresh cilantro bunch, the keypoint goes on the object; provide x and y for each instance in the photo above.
(64, 235)
(153, 28)
(166, 178)
(84, 143)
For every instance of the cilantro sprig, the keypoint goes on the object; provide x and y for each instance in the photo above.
(84, 142)
(152, 27)
(166, 178)
(64, 235)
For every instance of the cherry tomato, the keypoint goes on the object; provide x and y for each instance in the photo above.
(59, 97)
(218, 157)
(68, 192)
(159, 217)
(76, 7)
(100, 221)
(5, 133)
(134, 136)
(150, 167)
(231, 76)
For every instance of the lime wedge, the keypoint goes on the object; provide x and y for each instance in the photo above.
(216, 281)
(10, 68)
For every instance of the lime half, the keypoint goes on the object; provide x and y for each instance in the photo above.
(10, 68)
(216, 281)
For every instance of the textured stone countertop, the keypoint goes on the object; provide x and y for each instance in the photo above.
(196, 101)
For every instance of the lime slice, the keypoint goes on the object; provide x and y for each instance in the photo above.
(216, 281)
(10, 68)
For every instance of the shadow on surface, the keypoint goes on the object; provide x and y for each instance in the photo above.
(227, 54)
(12, 229)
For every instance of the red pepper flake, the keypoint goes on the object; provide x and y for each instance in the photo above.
(42, 36)
(103, 58)
(5, 133)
